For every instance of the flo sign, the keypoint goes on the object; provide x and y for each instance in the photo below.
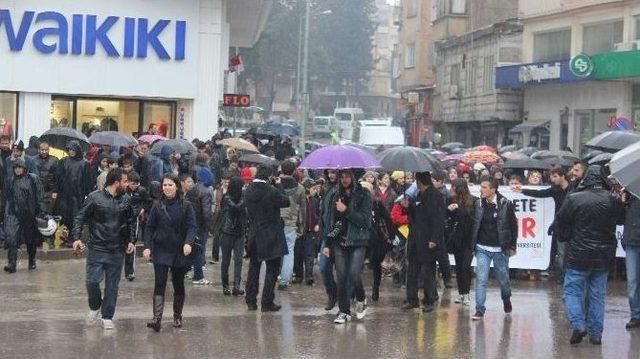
(52, 32)
(581, 65)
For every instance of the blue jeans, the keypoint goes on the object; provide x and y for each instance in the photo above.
(633, 277)
(325, 265)
(286, 272)
(349, 266)
(483, 266)
(595, 284)
(105, 266)
(200, 259)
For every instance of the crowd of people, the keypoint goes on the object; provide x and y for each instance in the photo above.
(403, 225)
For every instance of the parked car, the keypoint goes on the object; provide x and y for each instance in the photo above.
(324, 125)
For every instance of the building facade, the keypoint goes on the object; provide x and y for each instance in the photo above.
(119, 65)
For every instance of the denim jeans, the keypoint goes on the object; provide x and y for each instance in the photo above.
(105, 266)
(325, 266)
(595, 284)
(633, 279)
(483, 266)
(287, 261)
(200, 259)
(349, 266)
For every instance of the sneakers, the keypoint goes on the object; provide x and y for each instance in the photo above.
(595, 341)
(361, 309)
(331, 303)
(466, 300)
(506, 303)
(107, 324)
(459, 299)
(93, 317)
(130, 277)
(633, 323)
(576, 337)
(342, 318)
(271, 308)
(201, 282)
(409, 306)
(428, 308)
(478, 316)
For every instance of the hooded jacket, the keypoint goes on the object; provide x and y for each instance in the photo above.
(24, 194)
(589, 217)
(73, 183)
(47, 168)
(266, 238)
(427, 215)
(293, 215)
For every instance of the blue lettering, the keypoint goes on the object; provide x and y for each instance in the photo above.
(99, 34)
(61, 32)
(16, 43)
(146, 38)
(181, 31)
(77, 34)
(129, 36)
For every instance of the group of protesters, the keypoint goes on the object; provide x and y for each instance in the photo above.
(400, 224)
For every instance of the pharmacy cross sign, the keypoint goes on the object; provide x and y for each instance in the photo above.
(581, 65)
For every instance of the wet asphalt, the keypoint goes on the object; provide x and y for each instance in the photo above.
(42, 316)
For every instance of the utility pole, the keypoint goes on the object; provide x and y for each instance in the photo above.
(299, 68)
(305, 80)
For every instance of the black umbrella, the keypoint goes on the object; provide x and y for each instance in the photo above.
(409, 159)
(613, 141)
(452, 145)
(588, 155)
(526, 164)
(179, 145)
(529, 150)
(601, 159)
(559, 161)
(58, 137)
(113, 139)
(258, 159)
(624, 168)
(543, 155)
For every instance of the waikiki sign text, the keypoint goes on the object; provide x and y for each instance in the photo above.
(81, 34)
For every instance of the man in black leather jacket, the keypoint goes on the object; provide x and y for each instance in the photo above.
(587, 222)
(110, 219)
(46, 165)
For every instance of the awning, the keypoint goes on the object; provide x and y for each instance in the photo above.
(528, 126)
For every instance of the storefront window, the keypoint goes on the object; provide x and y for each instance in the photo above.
(8, 113)
(161, 115)
(62, 111)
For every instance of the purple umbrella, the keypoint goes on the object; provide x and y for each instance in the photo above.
(438, 154)
(339, 157)
(451, 160)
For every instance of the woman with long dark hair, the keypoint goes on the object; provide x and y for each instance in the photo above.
(231, 236)
(460, 222)
(170, 235)
(384, 191)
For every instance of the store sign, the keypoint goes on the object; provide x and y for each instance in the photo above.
(581, 65)
(538, 73)
(519, 76)
(81, 34)
(235, 100)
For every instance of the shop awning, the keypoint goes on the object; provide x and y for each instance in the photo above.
(528, 126)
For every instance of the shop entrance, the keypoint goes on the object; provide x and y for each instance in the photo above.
(129, 116)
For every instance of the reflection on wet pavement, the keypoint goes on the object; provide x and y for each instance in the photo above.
(42, 316)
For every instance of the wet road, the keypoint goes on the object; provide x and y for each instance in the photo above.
(42, 316)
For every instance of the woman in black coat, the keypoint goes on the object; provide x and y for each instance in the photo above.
(382, 234)
(170, 235)
(233, 220)
(459, 227)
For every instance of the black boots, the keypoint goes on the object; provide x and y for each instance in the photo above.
(178, 304)
(331, 303)
(158, 308)
(32, 261)
(12, 262)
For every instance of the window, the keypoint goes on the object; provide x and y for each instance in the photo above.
(601, 37)
(637, 28)
(160, 114)
(458, 7)
(454, 76)
(488, 73)
(470, 87)
(410, 55)
(550, 46)
(412, 8)
(8, 113)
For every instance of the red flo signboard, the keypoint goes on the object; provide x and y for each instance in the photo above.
(235, 100)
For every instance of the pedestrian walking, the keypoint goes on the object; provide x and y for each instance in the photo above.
(348, 224)
(293, 223)
(109, 216)
(426, 232)
(140, 205)
(442, 253)
(73, 183)
(233, 220)
(589, 216)
(494, 239)
(326, 263)
(170, 238)
(631, 241)
(311, 224)
(46, 165)
(266, 242)
(459, 232)
(23, 203)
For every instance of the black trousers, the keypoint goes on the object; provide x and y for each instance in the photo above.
(299, 258)
(443, 262)
(464, 271)
(129, 263)
(427, 271)
(231, 243)
(215, 247)
(253, 281)
(162, 275)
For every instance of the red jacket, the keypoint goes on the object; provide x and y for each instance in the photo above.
(399, 215)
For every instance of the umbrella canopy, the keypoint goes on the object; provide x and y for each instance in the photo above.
(452, 145)
(238, 144)
(559, 161)
(514, 156)
(409, 159)
(541, 155)
(529, 150)
(113, 139)
(438, 154)
(151, 138)
(601, 159)
(485, 157)
(588, 155)
(179, 145)
(526, 164)
(451, 160)
(508, 148)
(613, 141)
(59, 136)
(484, 148)
(339, 157)
(624, 167)
(258, 158)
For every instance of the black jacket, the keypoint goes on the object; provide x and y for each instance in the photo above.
(589, 217)
(266, 238)
(632, 222)
(382, 234)
(233, 216)
(200, 198)
(25, 197)
(427, 216)
(47, 169)
(506, 220)
(171, 225)
(459, 230)
(73, 183)
(111, 221)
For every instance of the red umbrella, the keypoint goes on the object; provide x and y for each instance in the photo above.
(484, 148)
(485, 157)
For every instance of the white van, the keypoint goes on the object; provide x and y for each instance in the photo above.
(377, 121)
(324, 125)
(348, 121)
(376, 136)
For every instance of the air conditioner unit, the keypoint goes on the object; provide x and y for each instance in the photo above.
(453, 92)
(625, 46)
